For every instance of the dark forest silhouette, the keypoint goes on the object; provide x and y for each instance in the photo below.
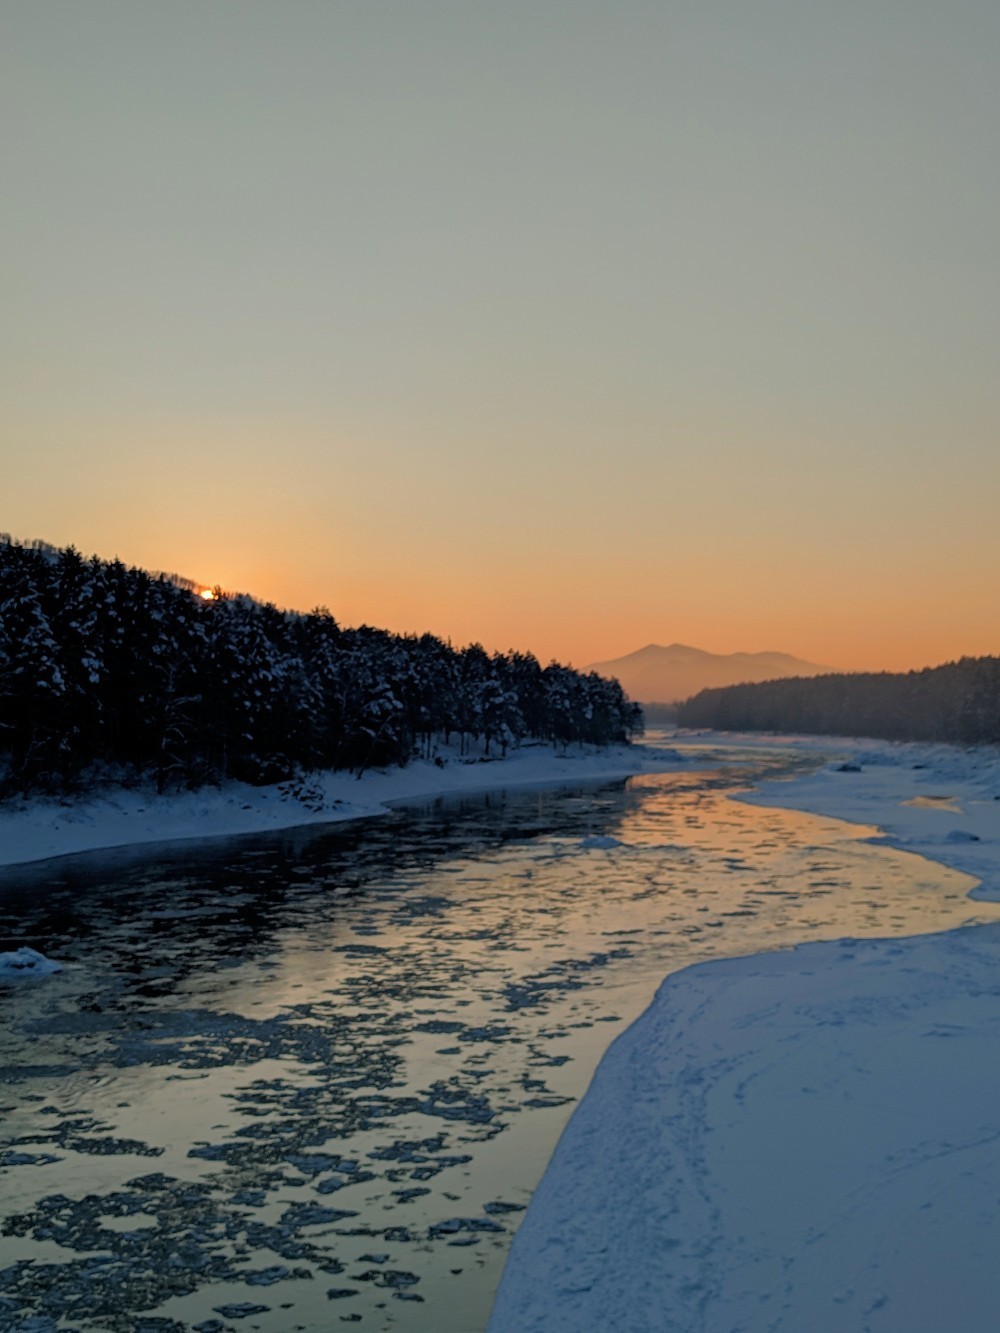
(110, 671)
(958, 703)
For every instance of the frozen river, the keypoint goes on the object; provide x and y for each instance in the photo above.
(295, 1080)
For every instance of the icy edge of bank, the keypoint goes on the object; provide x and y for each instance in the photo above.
(804, 1139)
(939, 801)
(799, 1140)
(38, 828)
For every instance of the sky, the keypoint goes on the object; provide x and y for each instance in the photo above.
(562, 325)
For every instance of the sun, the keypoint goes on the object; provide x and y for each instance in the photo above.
(207, 594)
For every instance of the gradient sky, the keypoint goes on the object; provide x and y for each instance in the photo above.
(561, 325)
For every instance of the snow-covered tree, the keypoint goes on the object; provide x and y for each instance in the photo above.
(110, 665)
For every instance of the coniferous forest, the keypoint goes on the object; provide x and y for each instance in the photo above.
(958, 703)
(114, 672)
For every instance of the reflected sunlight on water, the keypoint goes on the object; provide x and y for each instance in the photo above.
(309, 1078)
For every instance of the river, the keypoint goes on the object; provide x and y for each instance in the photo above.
(290, 1081)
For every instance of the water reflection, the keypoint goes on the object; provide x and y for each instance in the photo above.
(304, 1079)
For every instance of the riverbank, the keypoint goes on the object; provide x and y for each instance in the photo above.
(803, 1139)
(938, 801)
(37, 828)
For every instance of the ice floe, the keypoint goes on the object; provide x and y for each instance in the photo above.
(27, 962)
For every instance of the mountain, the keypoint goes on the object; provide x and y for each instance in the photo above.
(664, 675)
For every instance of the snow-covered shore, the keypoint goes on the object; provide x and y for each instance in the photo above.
(35, 829)
(798, 1140)
(937, 800)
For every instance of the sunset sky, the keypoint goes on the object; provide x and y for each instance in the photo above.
(560, 325)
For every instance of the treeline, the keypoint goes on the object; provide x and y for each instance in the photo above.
(959, 703)
(660, 715)
(104, 667)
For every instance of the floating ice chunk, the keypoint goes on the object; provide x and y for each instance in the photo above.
(452, 1225)
(26, 962)
(600, 841)
(265, 1277)
(11, 1157)
(960, 835)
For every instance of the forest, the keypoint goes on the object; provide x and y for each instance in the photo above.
(113, 673)
(958, 703)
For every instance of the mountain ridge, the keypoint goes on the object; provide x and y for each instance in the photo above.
(668, 674)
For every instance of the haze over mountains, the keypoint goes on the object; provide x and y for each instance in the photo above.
(655, 674)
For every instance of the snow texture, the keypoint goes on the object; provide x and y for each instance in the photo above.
(799, 1140)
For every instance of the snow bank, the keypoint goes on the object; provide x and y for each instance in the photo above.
(32, 830)
(938, 800)
(801, 1140)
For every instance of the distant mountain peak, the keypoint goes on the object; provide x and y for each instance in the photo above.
(658, 674)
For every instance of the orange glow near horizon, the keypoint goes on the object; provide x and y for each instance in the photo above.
(597, 615)
(582, 579)
(645, 326)
(578, 599)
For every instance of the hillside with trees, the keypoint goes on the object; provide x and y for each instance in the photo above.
(110, 671)
(958, 702)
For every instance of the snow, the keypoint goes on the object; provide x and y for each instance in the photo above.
(799, 1140)
(35, 829)
(937, 800)
(27, 962)
(600, 842)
